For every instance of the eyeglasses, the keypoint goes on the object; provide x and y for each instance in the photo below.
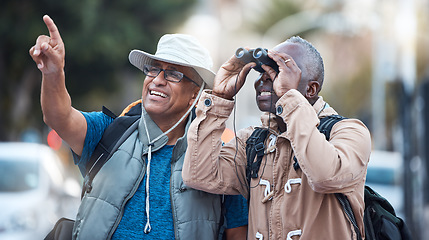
(169, 75)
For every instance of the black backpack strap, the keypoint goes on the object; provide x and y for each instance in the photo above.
(108, 142)
(347, 208)
(327, 123)
(295, 163)
(109, 113)
(255, 148)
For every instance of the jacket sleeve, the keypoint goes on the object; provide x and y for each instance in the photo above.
(331, 166)
(208, 165)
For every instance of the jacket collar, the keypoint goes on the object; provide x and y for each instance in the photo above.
(323, 109)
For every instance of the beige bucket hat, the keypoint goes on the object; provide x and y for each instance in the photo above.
(180, 49)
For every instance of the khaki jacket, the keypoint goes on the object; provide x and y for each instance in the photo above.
(284, 203)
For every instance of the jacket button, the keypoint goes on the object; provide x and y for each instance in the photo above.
(208, 102)
(279, 110)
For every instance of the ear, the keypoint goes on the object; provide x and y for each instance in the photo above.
(312, 89)
(194, 96)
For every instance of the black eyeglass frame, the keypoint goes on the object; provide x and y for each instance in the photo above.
(166, 73)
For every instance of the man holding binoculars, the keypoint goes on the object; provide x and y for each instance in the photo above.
(290, 194)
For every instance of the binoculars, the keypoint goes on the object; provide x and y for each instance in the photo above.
(258, 56)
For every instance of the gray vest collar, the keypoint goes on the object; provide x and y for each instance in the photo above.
(153, 130)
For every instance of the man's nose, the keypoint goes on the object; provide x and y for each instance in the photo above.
(160, 79)
(264, 79)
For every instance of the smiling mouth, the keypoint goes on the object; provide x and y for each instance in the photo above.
(266, 94)
(156, 93)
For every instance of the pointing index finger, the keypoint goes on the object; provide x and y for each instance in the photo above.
(53, 30)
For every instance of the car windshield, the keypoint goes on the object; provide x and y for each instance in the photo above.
(17, 176)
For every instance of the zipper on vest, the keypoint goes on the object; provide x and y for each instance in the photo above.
(121, 213)
(173, 213)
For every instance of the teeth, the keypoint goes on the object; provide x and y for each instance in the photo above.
(158, 94)
(265, 93)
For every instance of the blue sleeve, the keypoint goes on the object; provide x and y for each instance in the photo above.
(96, 122)
(236, 211)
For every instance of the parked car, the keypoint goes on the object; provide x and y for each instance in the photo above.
(384, 175)
(34, 191)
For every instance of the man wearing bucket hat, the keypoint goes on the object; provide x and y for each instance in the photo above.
(139, 192)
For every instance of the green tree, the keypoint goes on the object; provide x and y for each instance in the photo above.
(98, 36)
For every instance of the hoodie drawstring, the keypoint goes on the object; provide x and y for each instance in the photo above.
(147, 228)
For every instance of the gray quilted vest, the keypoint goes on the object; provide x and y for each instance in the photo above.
(196, 214)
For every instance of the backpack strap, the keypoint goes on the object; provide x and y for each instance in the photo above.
(109, 113)
(347, 208)
(255, 148)
(108, 143)
(327, 123)
(129, 108)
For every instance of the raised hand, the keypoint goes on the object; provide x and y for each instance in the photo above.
(289, 74)
(231, 77)
(49, 52)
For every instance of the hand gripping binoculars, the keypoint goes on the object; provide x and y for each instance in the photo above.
(258, 56)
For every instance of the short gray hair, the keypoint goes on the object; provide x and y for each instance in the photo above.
(312, 59)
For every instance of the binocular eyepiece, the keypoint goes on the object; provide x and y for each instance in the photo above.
(258, 56)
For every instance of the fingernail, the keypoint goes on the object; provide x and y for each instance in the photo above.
(39, 66)
(45, 47)
(36, 52)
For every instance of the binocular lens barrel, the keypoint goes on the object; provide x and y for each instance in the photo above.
(258, 56)
(259, 52)
(240, 52)
(261, 55)
(244, 55)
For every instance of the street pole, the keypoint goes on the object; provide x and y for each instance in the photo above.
(405, 26)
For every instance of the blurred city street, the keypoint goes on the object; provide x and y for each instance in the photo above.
(34, 191)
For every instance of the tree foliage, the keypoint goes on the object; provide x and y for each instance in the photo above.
(98, 36)
(274, 11)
